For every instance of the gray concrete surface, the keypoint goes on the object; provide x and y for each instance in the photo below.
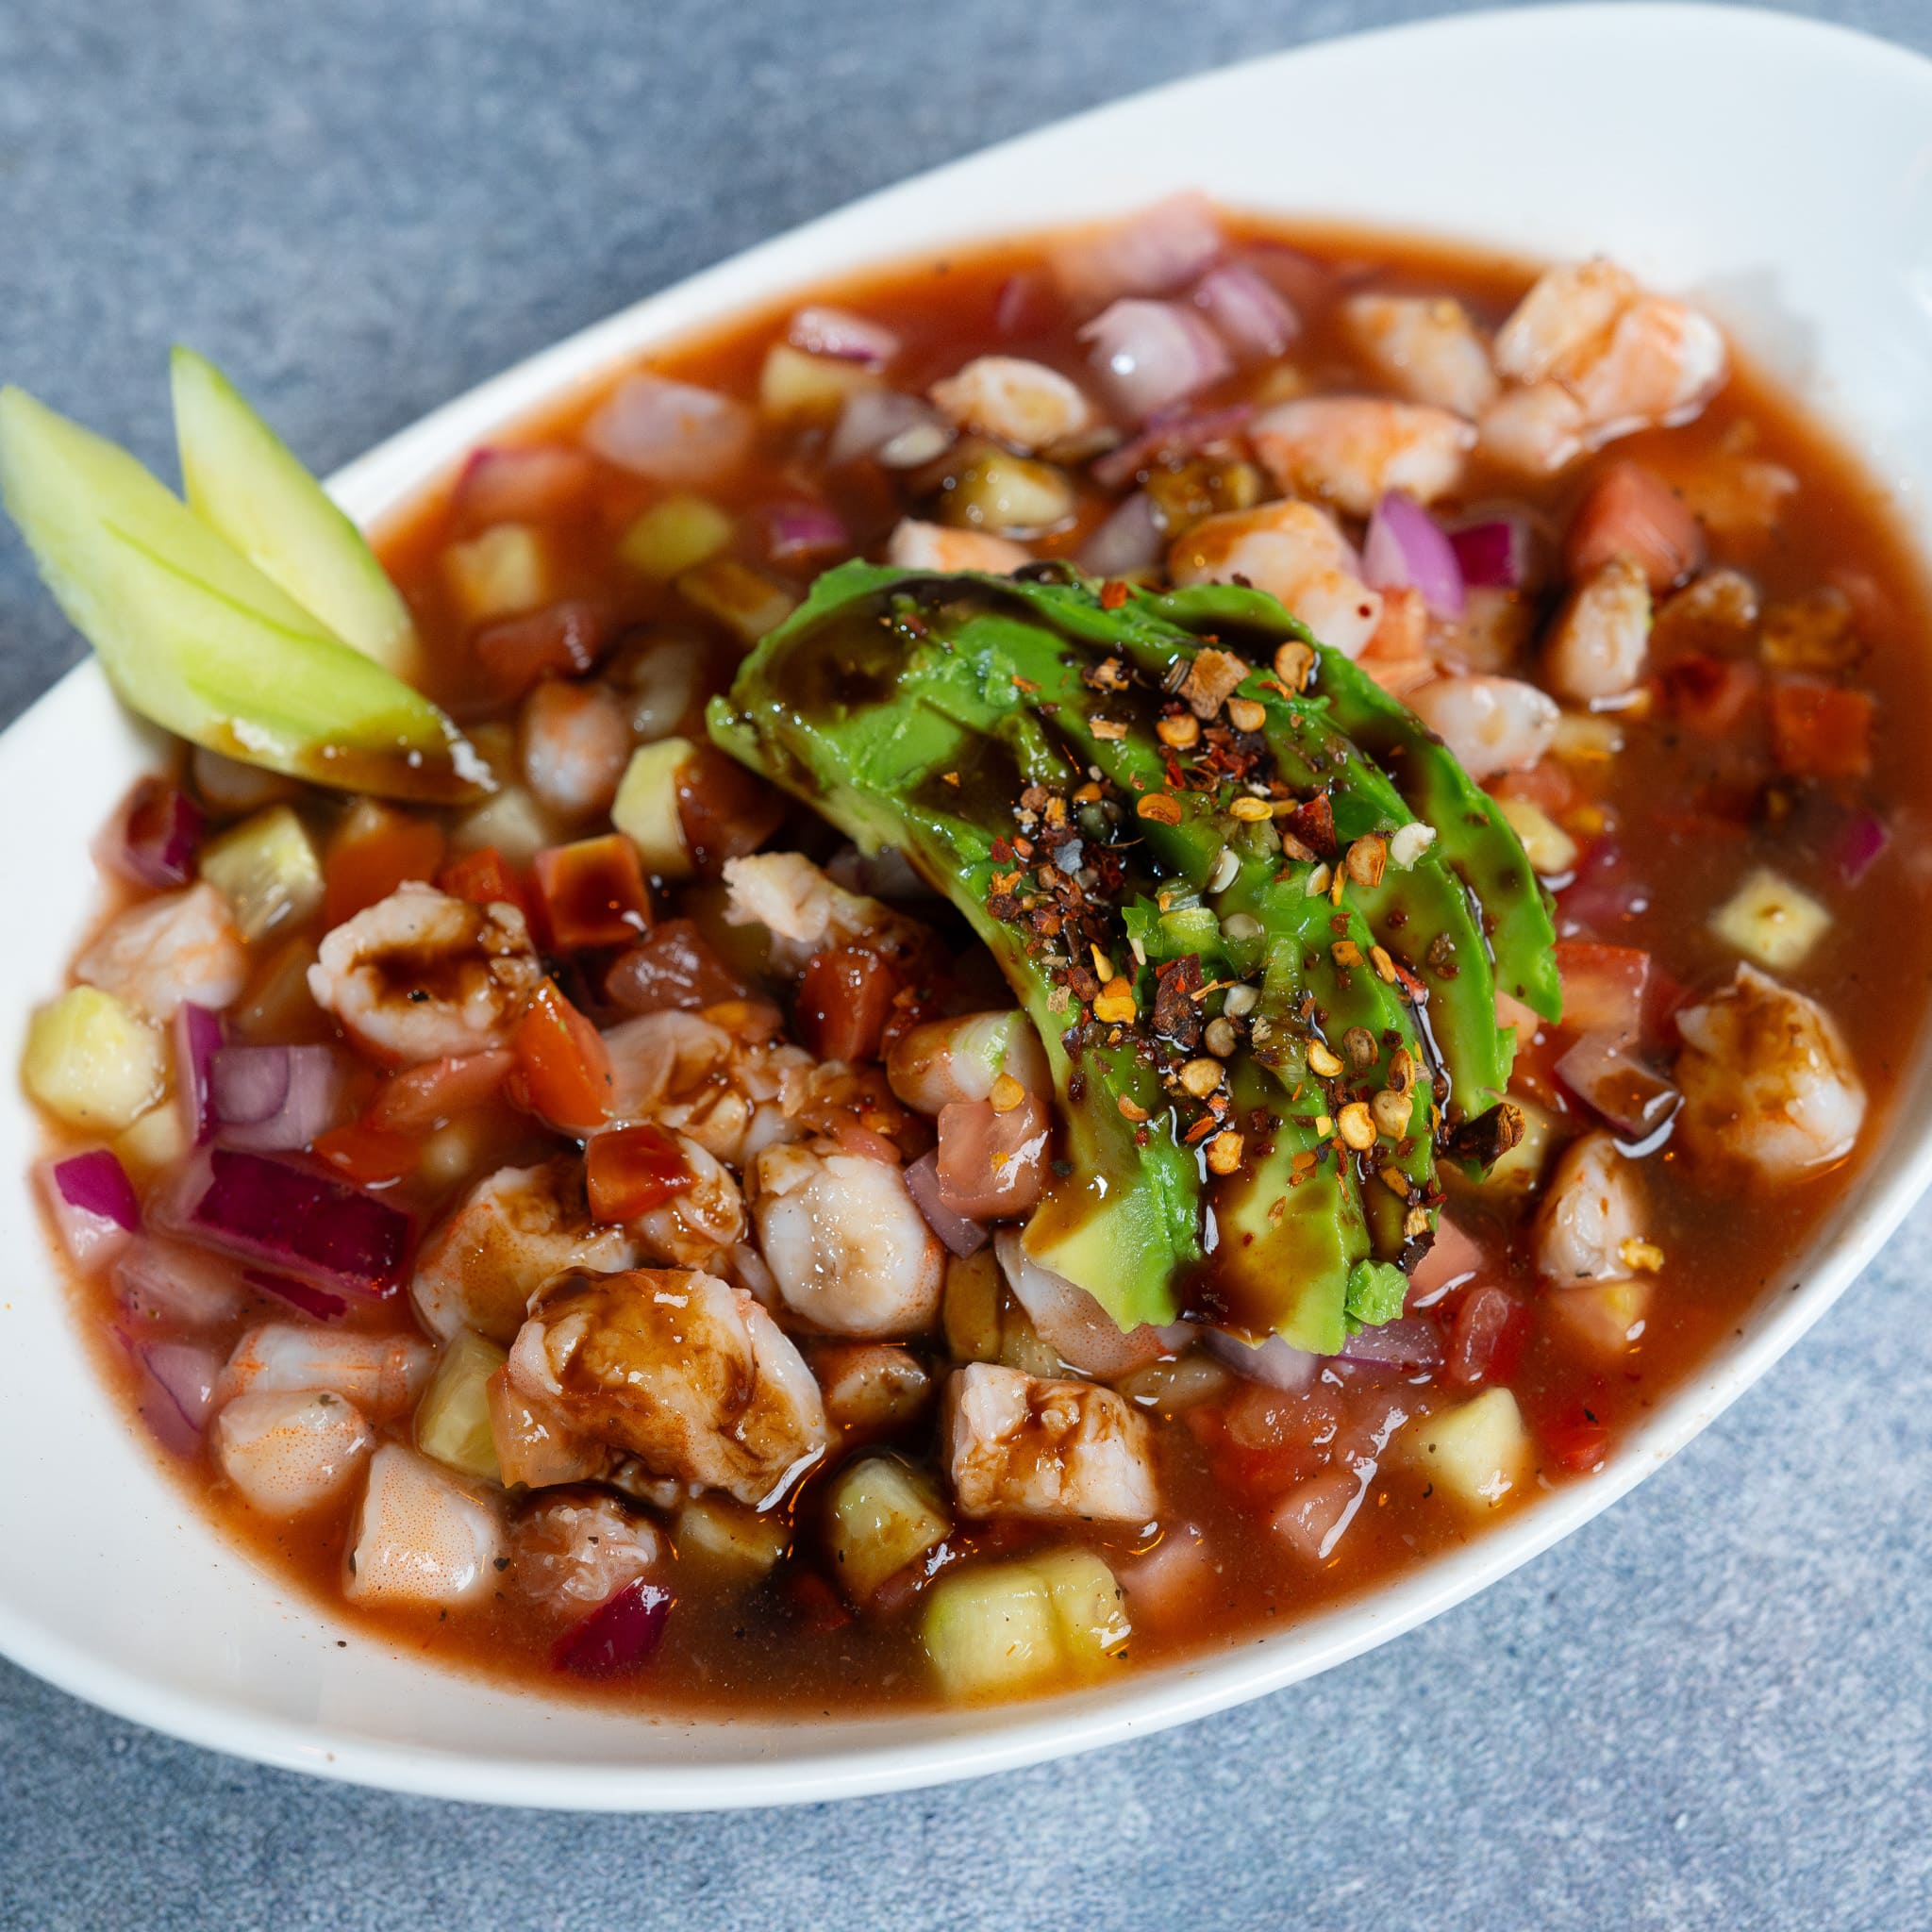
(1712, 1710)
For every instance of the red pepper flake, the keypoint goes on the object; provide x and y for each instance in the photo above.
(1313, 823)
(1113, 593)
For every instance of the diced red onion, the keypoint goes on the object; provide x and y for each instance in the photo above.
(533, 483)
(1171, 434)
(842, 335)
(275, 1098)
(1152, 355)
(1632, 1099)
(1253, 316)
(1864, 837)
(1493, 554)
(1410, 1342)
(1132, 538)
(673, 432)
(1026, 305)
(1405, 546)
(316, 1302)
(619, 1635)
(92, 1206)
(293, 1220)
(896, 429)
(1159, 249)
(197, 1040)
(169, 1281)
(177, 1390)
(154, 834)
(1274, 1363)
(795, 530)
(961, 1237)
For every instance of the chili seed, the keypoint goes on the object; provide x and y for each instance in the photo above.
(1357, 1127)
(1007, 1094)
(1161, 807)
(1225, 1151)
(1323, 1060)
(1361, 1046)
(1251, 810)
(1391, 1110)
(1240, 1001)
(1245, 714)
(1220, 1039)
(1201, 1077)
(1179, 733)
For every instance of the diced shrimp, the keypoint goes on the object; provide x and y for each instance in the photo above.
(1767, 1079)
(1597, 645)
(1293, 551)
(687, 1373)
(289, 1450)
(699, 1221)
(1593, 1212)
(1424, 345)
(871, 1385)
(420, 1536)
(945, 1061)
(1397, 656)
(733, 1089)
(419, 975)
(806, 910)
(845, 1243)
(1352, 450)
(1537, 430)
(382, 1375)
(1025, 404)
(914, 545)
(1490, 724)
(575, 740)
(577, 1548)
(182, 946)
(514, 1230)
(1014, 1445)
(535, 1445)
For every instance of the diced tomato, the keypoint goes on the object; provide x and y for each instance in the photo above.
(1548, 784)
(1631, 512)
(672, 965)
(1606, 892)
(593, 892)
(1486, 1342)
(1262, 1441)
(1453, 1259)
(369, 1156)
(1711, 695)
(629, 1171)
(484, 877)
(725, 811)
(1819, 731)
(1604, 988)
(813, 1605)
(563, 1068)
(1576, 1448)
(560, 640)
(421, 1099)
(844, 1000)
(374, 851)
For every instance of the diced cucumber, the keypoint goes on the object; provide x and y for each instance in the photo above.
(93, 1061)
(737, 595)
(1771, 922)
(452, 1419)
(970, 1307)
(717, 1531)
(1009, 495)
(501, 572)
(882, 1516)
(268, 870)
(1475, 1453)
(1021, 1346)
(1086, 1605)
(1547, 846)
(158, 1139)
(200, 642)
(798, 391)
(672, 536)
(645, 808)
(241, 480)
(513, 822)
(991, 1631)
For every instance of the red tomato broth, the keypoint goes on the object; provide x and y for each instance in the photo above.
(1678, 818)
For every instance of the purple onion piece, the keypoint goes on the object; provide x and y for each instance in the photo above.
(894, 429)
(1152, 355)
(795, 530)
(1633, 1100)
(1253, 316)
(619, 1635)
(158, 1281)
(1493, 554)
(1272, 1363)
(1133, 538)
(92, 1206)
(155, 835)
(522, 483)
(275, 1098)
(177, 1390)
(961, 1237)
(317, 1302)
(842, 336)
(197, 1040)
(671, 431)
(1864, 837)
(1409, 1342)
(1405, 546)
(1153, 252)
(1171, 434)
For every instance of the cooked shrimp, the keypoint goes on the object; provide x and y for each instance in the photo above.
(1352, 450)
(1026, 404)
(1597, 644)
(871, 1385)
(944, 1061)
(382, 1375)
(420, 1536)
(577, 1548)
(1593, 1212)
(733, 1087)
(1538, 430)
(914, 545)
(182, 946)
(419, 975)
(846, 1241)
(1397, 656)
(1767, 1079)
(1424, 345)
(1294, 552)
(687, 1373)
(576, 738)
(514, 1230)
(1490, 724)
(806, 910)
(1074, 1324)
(696, 1223)
(1013, 1446)
(289, 1450)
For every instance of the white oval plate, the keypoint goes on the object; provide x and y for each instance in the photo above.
(1665, 136)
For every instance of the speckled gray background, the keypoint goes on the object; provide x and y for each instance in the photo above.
(1712, 1708)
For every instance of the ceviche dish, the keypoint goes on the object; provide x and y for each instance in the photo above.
(1006, 974)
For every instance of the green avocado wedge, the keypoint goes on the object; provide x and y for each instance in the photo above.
(194, 638)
